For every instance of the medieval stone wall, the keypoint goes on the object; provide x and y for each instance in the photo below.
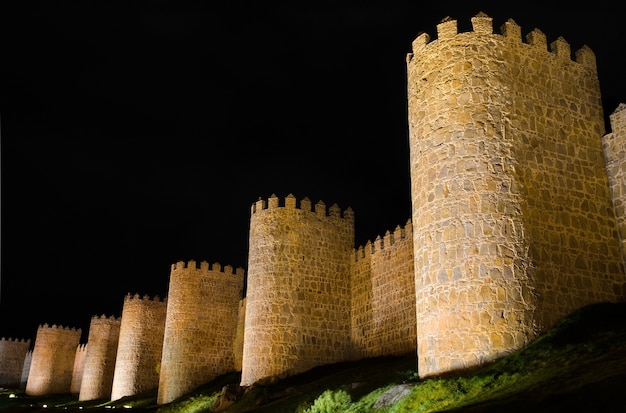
(512, 215)
(383, 296)
(200, 326)
(516, 223)
(99, 366)
(615, 155)
(298, 293)
(12, 356)
(52, 360)
(26, 369)
(79, 368)
(238, 342)
(140, 347)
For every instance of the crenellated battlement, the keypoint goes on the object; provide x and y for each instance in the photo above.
(104, 319)
(290, 202)
(145, 298)
(14, 340)
(387, 240)
(216, 267)
(510, 31)
(58, 327)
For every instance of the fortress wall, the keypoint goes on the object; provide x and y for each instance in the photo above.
(52, 360)
(513, 223)
(79, 368)
(557, 123)
(383, 296)
(298, 294)
(615, 155)
(140, 346)
(26, 369)
(12, 356)
(200, 326)
(238, 343)
(361, 298)
(99, 367)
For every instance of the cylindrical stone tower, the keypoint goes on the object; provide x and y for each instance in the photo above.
(200, 326)
(140, 346)
(512, 216)
(99, 365)
(12, 358)
(52, 360)
(298, 292)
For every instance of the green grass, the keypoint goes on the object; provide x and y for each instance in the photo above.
(578, 366)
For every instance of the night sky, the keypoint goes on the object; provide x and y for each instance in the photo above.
(137, 134)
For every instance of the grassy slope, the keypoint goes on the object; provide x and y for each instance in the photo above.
(579, 366)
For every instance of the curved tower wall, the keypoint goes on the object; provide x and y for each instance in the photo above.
(140, 346)
(615, 155)
(512, 216)
(52, 360)
(99, 367)
(383, 296)
(79, 368)
(200, 326)
(298, 292)
(12, 357)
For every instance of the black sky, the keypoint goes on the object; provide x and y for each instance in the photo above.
(137, 134)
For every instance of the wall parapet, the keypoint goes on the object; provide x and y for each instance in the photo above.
(103, 319)
(205, 266)
(290, 202)
(145, 297)
(58, 327)
(482, 24)
(15, 340)
(388, 239)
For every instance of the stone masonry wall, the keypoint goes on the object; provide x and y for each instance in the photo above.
(140, 347)
(12, 356)
(200, 326)
(79, 368)
(238, 343)
(26, 369)
(52, 360)
(383, 296)
(512, 217)
(518, 219)
(99, 366)
(615, 155)
(298, 293)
